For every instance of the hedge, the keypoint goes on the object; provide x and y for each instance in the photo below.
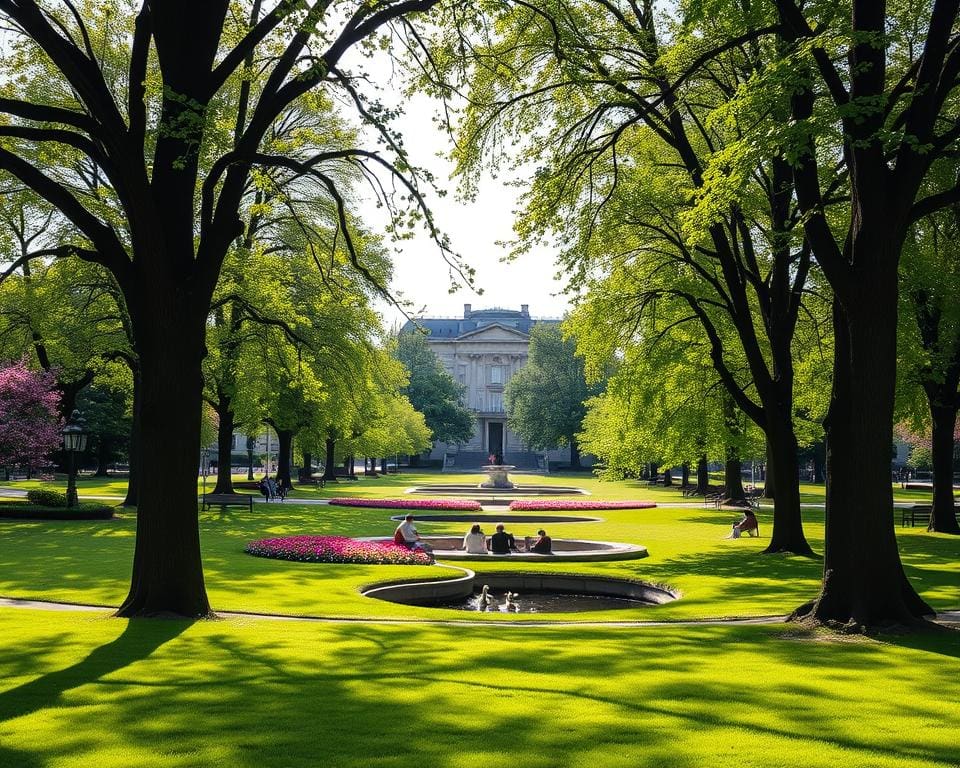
(39, 512)
(46, 498)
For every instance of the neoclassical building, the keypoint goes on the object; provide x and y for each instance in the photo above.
(481, 351)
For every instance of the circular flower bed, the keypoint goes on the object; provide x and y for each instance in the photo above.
(336, 549)
(461, 504)
(574, 504)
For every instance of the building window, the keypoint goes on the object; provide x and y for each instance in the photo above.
(497, 374)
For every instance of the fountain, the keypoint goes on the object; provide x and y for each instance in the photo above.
(497, 476)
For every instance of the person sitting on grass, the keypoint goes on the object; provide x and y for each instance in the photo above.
(407, 536)
(543, 545)
(747, 525)
(502, 543)
(475, 543)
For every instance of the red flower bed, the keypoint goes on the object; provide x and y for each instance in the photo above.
(575, 504)
(336, 549)
(466, 505)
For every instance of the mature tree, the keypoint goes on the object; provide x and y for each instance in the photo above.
(546, 398)
(165, 208)
(29, 422)
(871, 88)
(629, 129)
(106, 410)
(930, 345)
(433, 392)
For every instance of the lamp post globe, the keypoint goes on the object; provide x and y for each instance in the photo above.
(74, 435)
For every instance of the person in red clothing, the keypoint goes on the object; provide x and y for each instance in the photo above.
(747, 525)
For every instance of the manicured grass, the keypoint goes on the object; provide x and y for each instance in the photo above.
(90, 561)
(82, 690)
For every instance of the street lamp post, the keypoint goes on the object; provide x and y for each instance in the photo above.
(205, 467)
(74, 441)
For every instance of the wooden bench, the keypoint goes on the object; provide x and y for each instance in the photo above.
(916, 513)
(227, 500)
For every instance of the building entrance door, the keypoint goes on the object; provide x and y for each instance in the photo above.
(495, 438)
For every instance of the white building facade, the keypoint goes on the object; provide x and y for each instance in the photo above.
(482, 351)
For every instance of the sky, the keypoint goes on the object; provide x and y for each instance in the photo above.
(474, 227)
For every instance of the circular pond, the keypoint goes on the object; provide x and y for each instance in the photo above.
(525, 593)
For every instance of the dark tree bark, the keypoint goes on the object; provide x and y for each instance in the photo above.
(783, 469)
(703, 476)
(667, 477)
(330, 467)
(225, 429)
(733, 480)
(864, 584)
(574, 453)
(685, 475)
(167, 569)
(944, 517)
(284, 452)
(768, 482)
(383, 465)
(306, 472)
(133, 477)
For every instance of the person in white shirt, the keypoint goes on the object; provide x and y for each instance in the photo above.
(475, 543)
(410, 536)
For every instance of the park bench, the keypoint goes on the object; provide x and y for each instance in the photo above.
(227, 500)
(916, 513)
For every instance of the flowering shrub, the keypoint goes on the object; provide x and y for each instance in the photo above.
(574, 504)
(466, 505)
(29, 424)
(336, 549)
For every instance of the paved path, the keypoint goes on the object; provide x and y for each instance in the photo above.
(947, 618)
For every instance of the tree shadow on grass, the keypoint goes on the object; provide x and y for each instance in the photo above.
(137, 641)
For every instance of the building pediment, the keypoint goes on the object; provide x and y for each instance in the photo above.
(494, 332)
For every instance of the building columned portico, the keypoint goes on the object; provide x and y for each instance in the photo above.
(481, 351)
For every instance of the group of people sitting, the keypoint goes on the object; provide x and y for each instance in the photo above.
(475, 542)
(503, 543)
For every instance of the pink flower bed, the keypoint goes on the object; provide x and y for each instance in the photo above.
(336, 549)
(457, 504)
(574, 504)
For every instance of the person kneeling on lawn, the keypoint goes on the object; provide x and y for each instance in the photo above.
(747, 525)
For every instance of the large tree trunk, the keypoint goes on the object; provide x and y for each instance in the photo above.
(864, 584)
(167, 569)
(685, 475)
(306, 472)
(103, 459)
(251, 442)
(224, 445)
(703, 476)
(733, 479)
(574, 453)
(133, 477)
(329, 468)
(667, 477)
(782, 464)
(284, 452)
(769, 487)
(944, 419)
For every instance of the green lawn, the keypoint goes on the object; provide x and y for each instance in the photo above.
(83, 690)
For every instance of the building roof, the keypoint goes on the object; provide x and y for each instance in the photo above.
(473, 320)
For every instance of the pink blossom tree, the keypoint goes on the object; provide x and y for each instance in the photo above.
(29, 421)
